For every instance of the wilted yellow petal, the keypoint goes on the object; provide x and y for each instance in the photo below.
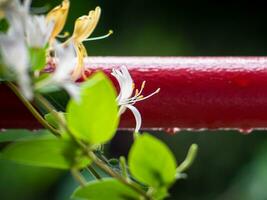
(79, 68)
(85, 25)
(83, 28)
(80, 27)
(97, 14)
(58, 16)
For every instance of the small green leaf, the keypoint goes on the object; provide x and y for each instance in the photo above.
(95, 117)
(55, 153)
(3, 25)
(5, 73)
(160, 193)
(104, 189)
(152, 162)
(21, 134)
(37, 58)
(52, 120)
(2, 71)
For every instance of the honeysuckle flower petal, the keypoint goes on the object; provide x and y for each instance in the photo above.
(137, 116)
(58, 16)
(85, 25)
(16, 13)
(38, 31)
(83, 28)
(73, 89)
(13, 47)
(125, 98)
(65, 63)
(125, 82)
(15, 55)
(81, 54)
(63, 73)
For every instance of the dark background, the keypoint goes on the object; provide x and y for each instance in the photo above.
(230, 165)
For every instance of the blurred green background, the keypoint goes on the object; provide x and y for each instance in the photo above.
(230, 166)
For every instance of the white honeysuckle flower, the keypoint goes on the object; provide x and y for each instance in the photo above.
(13, 47)
(16, 13)
(15, 56)
(125, 98)
(73, 89)
(35, 28)
(38, 31)
(65, 63)
(66, 60)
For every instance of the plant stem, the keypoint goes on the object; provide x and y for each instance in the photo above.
(190, 157)
(32, 109)
(76, 174)
(50, 108)
(114, 174)
(124, 168)
(94, 172)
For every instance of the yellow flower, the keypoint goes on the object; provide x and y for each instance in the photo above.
(58, 16)
(83, 28)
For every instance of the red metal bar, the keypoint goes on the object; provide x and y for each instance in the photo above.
(196, 92)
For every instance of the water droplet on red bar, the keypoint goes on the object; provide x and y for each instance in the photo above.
(245, 131)
(172, 131)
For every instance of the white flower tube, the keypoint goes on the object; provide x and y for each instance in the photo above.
(65, 64)
(15, 55)
(38, 31)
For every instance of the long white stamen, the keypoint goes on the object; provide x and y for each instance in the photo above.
(100, 37)
(141, 89)
(148, 96)
(135, 99)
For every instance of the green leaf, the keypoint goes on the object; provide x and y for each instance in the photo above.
(21, 134)
(55, 153)
(2, 71)
(52, 120)
(152, 162)
(5, 74)
(95, 117)
(108, 188)
(3, 25)
(37, 58)
(160, 193)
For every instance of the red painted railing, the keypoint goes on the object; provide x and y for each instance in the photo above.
(196, 92)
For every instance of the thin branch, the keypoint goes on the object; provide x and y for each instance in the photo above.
(32, 109)
(94, 172)
(78, 177)
(114, 174)
(124, 168)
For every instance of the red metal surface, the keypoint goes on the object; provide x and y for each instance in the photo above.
(196, 92)
(13, 113)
